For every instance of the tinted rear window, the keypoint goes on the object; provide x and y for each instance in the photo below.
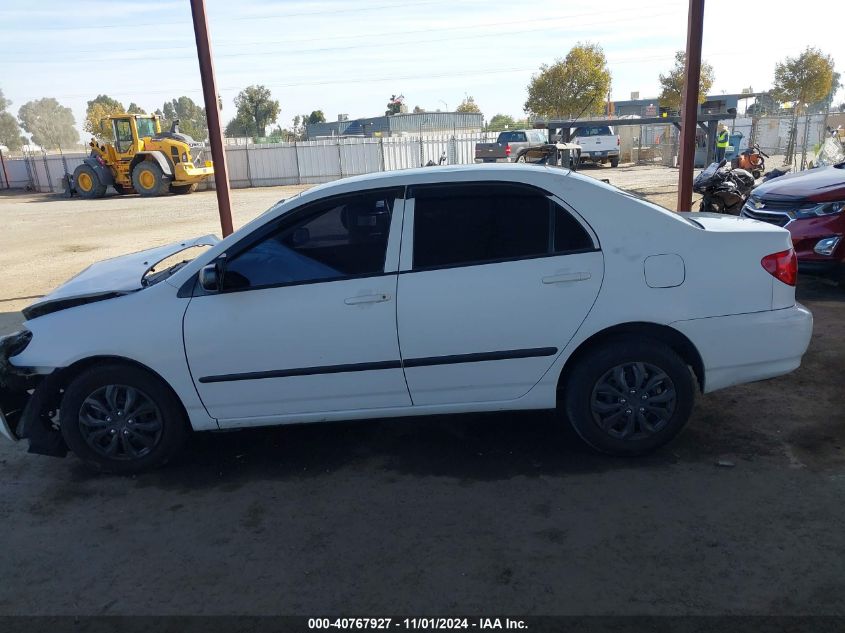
(596, 130)
(512, 137)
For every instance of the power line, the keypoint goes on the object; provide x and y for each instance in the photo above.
(638, 9)
(375, 45)
(123, 25)
(378, 79)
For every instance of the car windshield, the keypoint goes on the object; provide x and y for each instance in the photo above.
(170, 265)
(146, 127)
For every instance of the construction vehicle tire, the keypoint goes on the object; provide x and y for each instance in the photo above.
(87, 182)
(148, 179)
(120, 189)
(180, 190)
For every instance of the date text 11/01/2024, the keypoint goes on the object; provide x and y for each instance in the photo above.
(416, 623)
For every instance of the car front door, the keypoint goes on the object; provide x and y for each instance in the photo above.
(305, 319)
(495, 280)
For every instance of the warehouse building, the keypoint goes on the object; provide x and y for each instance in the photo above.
(406, 124)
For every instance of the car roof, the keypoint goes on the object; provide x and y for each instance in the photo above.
(449, 173)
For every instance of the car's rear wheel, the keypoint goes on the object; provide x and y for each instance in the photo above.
(121, 419)
(628, 397)
(614, 162)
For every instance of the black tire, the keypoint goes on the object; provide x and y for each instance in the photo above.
(120, 189)
(583, 400)
(181, 190)
(614, 162)
(91, 426)
(148, 179)
(87, 183)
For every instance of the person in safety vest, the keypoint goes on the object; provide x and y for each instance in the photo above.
(722, 140)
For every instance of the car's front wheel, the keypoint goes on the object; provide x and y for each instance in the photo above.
(628, 397)
(121, 419)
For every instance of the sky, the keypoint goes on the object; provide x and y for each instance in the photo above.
(345, 56)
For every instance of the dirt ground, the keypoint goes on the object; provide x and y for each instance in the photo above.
(478, 514)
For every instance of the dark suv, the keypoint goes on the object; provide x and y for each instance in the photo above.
(811, 206)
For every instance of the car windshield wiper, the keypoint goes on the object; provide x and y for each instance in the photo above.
(152, 276)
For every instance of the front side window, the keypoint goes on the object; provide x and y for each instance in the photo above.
(482, 223)
(335, 239)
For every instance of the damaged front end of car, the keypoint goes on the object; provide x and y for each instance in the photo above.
(29, 401)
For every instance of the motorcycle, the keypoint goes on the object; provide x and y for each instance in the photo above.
(723, 189)
(751, 159)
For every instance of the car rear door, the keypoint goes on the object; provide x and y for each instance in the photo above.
(495, 279)
(306, 319)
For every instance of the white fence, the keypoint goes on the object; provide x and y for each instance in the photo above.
(266, 165)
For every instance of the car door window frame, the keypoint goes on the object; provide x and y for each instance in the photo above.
(406, 262)
(300, 213)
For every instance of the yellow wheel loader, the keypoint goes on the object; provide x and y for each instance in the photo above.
(142, 159)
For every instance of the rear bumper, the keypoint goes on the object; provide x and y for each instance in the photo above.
(744, 348)
(599, 155)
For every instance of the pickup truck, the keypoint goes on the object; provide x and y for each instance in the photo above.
(598, 144)
(508, 145)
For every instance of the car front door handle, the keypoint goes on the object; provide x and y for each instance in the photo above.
(352, 301)
(566, 277)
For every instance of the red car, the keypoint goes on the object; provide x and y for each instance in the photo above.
(811, 206)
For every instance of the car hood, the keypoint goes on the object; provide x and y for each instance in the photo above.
(110, 277)
(823, 184)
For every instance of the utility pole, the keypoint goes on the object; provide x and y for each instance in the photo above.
(689, 103)
(212, 112)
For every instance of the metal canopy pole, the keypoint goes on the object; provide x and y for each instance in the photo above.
(212, 113)
(689, 103)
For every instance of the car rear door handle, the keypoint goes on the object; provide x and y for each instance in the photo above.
(566, 277)
(351, 301)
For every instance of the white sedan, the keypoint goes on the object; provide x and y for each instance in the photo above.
(427, 291)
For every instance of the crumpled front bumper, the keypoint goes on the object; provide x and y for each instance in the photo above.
(26, 400)
(14, 384)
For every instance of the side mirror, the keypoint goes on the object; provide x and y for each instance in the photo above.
(209, 279)
(211, 275)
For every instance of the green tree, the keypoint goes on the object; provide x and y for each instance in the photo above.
(672, 83)
(98, 109)
(468, 105)
(575, 85)
(10, 132)
(191, 117)
(238, 127)
(827, 101)
(49, 123)
(317, 116)
(501, 122)
(256, 109)
(804, 79)
(134, 108)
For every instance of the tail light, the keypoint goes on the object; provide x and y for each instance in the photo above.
(618, 142)
(782, 266)
(508, 149)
